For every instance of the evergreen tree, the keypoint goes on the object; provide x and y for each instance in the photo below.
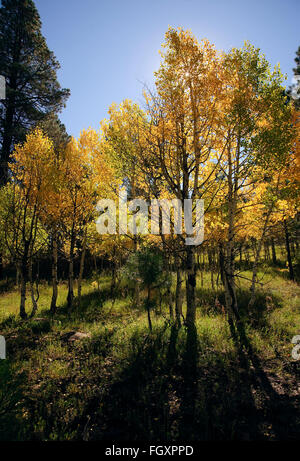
(297, 60)
(29, 67)
(294, 90)
(54, 129)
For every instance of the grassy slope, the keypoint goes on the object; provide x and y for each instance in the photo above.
(122, 383)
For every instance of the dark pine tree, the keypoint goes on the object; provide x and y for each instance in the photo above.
(295, 88)
(30, 70)
(297, 60)
(55, 130)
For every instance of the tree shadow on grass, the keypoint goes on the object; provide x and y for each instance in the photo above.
(213, 302)
(92, 309)
(283, 272)
(275, 412)
(11, 394)
(173, 387)
(278, 414)
(217, 403)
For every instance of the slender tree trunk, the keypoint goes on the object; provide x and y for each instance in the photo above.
(113, 277)
(95, 262)
(254, 276)
(247, 256)
(254, 248)
(228, 292)
(136, 296)
(288, 250)
(211, 267)
(148, 308)
(202, 267)
(228, 258)
(229, 285)
(178, 295)
(33, 299)
(198, 260)
(70, 297)
(167, 268)
(274, 259)
(170, 302)
(258, 248)
(54, 273)
(81, 267)
(293, 249)
(230, 289)
(169, 292)
(190, 286)
(23, 314)
(18, 273)
(221, 264)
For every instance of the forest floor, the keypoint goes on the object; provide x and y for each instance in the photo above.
(122, 382)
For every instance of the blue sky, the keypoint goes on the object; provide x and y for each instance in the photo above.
(107, 49)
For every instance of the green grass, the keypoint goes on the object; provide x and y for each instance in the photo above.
(124, 383)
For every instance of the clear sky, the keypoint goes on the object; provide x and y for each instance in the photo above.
(107, 49)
